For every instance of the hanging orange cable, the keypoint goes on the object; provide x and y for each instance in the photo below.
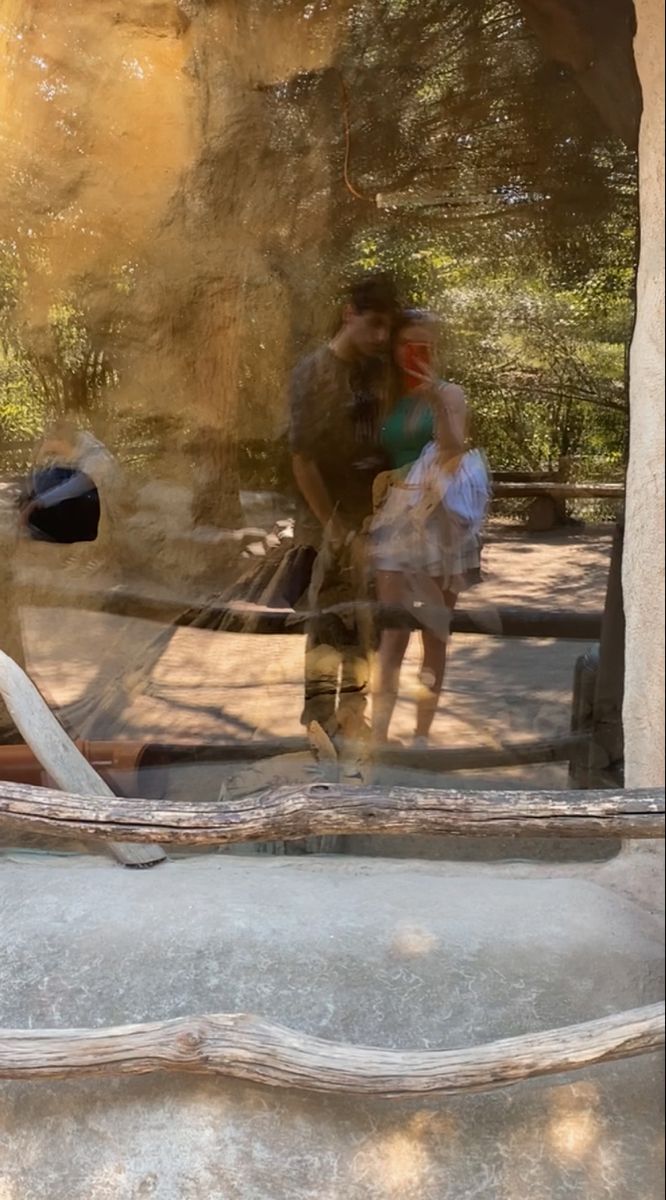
(347, 131)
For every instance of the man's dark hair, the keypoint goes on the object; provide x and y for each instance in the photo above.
(374, 293)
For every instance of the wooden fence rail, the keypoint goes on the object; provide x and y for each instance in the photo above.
(19, 765)
(320, 809)
(428, 759)
(559, 490)
(252, 1050)
(519, 621)
(498, 621)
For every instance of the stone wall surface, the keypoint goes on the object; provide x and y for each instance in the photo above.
(403, 955)
(644, 539)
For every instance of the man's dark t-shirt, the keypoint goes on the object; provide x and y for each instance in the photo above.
(334, 422)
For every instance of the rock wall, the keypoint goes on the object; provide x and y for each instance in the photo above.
(143, 152)
(145, 185)
(592, 39)
(644, 539)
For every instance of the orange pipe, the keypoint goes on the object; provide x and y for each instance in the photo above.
(19, 765)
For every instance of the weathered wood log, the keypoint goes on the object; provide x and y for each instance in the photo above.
(500, 621)
(523, 476)
(567, 624)
(427, 759)
(559, 490)
(247, 1048)
(57, 753)
(238, 617)
(284, 813)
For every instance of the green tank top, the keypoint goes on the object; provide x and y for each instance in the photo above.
(405, 432)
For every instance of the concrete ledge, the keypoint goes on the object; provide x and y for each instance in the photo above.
(399, 954)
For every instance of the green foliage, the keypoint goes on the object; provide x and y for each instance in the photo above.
(514, 217)
(63, 372)
(543, 363)
(508, 207)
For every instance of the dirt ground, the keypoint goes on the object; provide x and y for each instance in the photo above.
(231, 687)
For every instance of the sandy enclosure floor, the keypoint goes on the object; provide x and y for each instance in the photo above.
(210, 686)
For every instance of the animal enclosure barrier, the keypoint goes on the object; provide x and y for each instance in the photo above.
(247, 1048)
(244, 1047)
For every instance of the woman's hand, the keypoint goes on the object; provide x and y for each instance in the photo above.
(381, 487)
(428, 383)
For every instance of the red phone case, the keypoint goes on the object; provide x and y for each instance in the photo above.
(417, 358)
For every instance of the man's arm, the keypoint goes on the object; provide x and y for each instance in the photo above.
(314, 491)
(302, 420)
(312, 488)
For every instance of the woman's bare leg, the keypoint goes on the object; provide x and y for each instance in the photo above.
(432, 672)
(392, 647)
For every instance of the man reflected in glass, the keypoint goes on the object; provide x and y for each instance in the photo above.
(335, 404)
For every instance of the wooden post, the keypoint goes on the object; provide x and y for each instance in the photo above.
(563, 475)
(607, 746)
(582, 717)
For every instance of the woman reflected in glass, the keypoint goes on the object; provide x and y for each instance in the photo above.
(424, 550)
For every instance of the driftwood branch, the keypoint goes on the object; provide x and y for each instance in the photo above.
(320, 809)
(252, 1050)
(57, 753)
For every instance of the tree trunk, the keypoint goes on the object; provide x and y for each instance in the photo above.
(216, 496)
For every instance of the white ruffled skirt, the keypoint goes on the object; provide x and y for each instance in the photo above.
(415, 531)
